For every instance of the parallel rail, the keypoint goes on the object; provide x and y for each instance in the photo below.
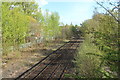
(53, 65)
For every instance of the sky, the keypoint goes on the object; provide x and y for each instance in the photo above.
(70, 11)
(75, 12)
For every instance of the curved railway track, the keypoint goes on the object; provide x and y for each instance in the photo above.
(54, 65)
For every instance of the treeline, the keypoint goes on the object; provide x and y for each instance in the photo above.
(98, 55)
(24, 22)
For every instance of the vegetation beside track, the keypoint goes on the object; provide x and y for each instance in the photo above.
(98, 56)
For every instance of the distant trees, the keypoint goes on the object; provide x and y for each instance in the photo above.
(69, 31)
(51, 23)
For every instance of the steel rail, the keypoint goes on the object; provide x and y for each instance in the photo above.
(46, 68)
(66, 65)
(32, 70)
(40, 61)
(65, 62)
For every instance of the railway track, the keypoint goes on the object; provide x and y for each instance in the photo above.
(54, 65)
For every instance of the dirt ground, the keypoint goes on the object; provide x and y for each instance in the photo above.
(19, 61)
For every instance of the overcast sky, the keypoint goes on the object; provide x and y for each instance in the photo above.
(75, 11)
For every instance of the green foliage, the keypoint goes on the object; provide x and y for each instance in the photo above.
(72, 76)
(76, 31)
(66, 31)
(24, 22)
(28, 8)
(69, 31)
(14, 26)
(51, 28)
(88, 64)
(102, 32)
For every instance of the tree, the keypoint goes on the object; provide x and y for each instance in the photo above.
(14, 26)
(101, 31)
(115, 6)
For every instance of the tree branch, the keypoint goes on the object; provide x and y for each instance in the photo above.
(108, 11)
